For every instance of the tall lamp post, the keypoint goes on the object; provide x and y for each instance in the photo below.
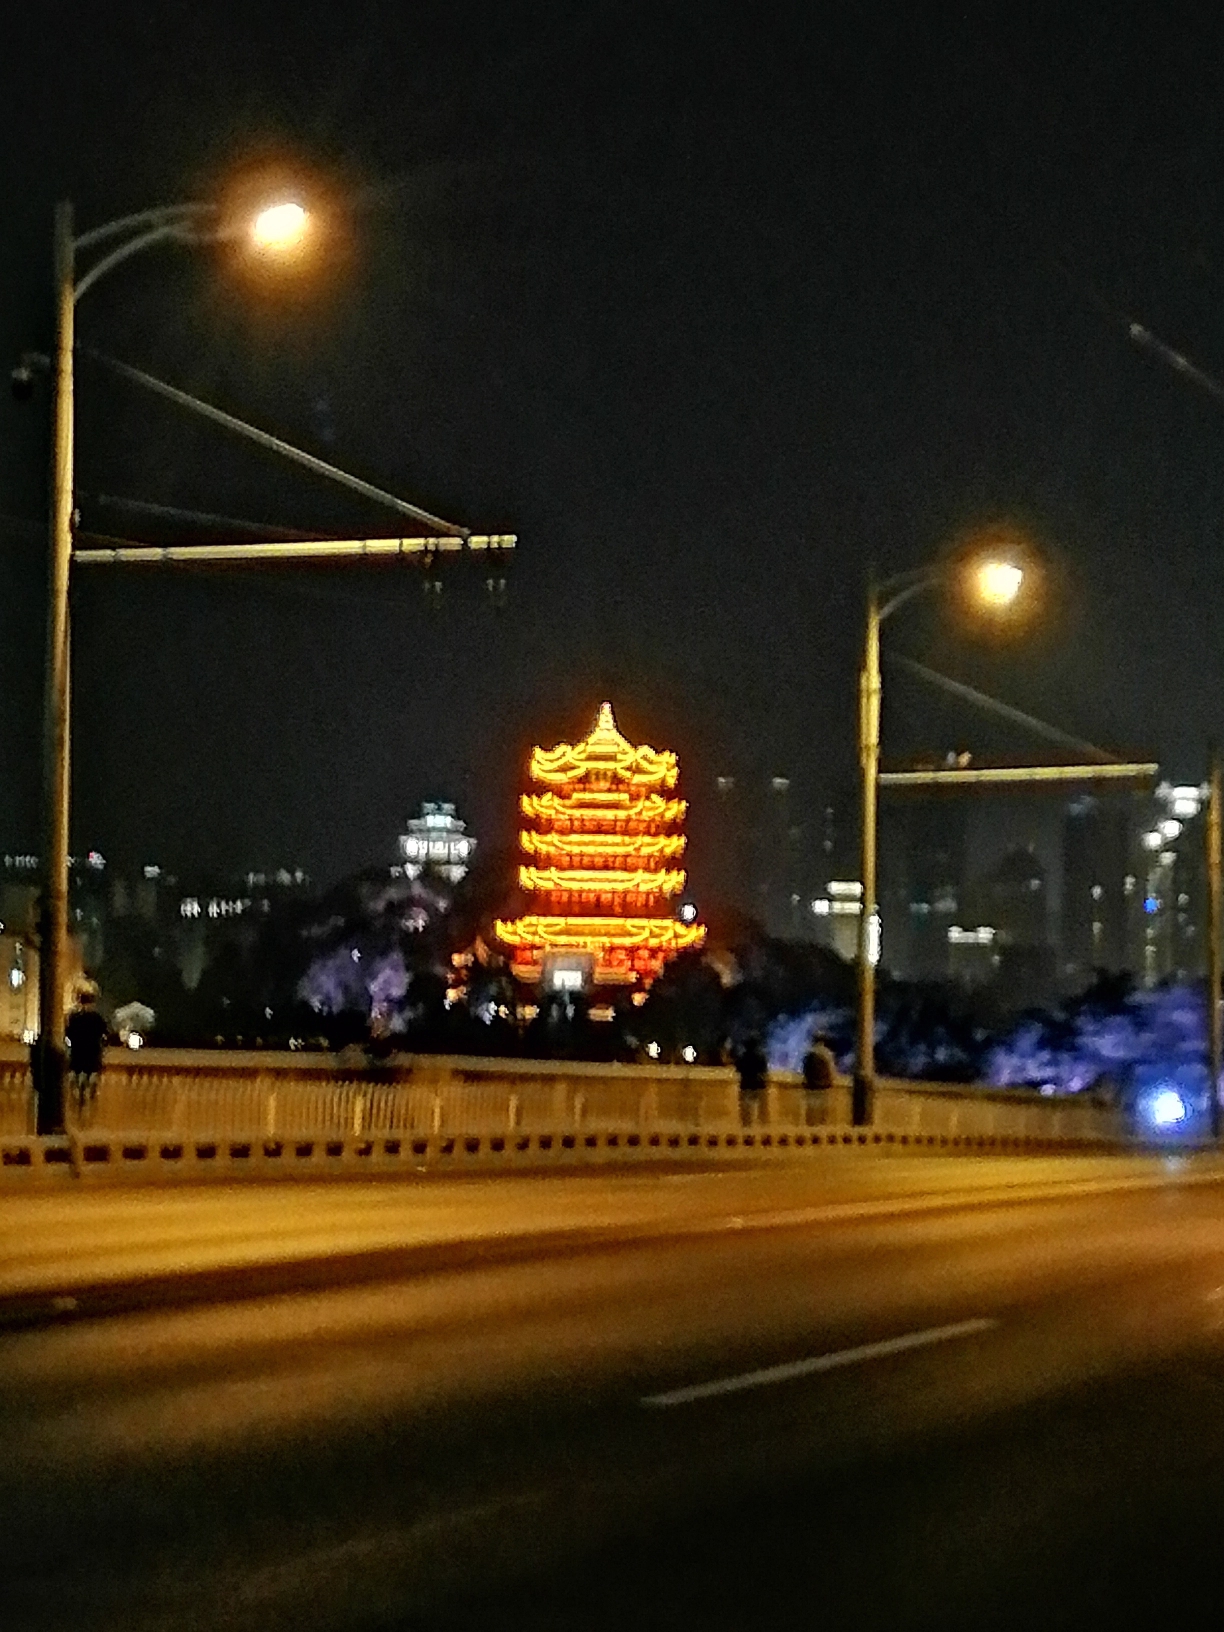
(1215, 1020)
(994, 582)
(279, 227)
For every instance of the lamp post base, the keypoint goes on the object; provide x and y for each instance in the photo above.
(48, 1067)
(862, 1095)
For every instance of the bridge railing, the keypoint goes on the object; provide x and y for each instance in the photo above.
(168, 1094)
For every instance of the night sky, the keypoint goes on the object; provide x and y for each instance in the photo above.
(712, 305)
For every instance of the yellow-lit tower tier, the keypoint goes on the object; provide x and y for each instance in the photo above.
(602, 850)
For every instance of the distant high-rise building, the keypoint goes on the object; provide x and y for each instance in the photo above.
(731, 877)
(1013, 901)
(19, 893)
(18, 987)
(836, 911)
(779, 894)
(760, 864)
(838, 840)
(924, 899)
(1172, 941)
(832, 895)
(1099, 887)
(1017, 899)
(973, 958)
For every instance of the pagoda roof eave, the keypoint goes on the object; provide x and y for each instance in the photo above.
(604, 751)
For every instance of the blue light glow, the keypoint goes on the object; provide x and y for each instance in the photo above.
(1167, 1108)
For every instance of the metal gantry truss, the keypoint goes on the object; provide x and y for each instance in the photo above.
(315, 549)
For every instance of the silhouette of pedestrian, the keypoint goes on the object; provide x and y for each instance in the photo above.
(819, 1065)
(753, 1070)
(87, 1033)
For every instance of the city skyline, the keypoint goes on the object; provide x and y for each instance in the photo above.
(541, 321)
(778, 862)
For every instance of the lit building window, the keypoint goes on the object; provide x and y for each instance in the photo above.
(984, 935)
(1184, 802)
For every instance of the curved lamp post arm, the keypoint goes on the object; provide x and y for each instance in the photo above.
(161, 216)
(898, 580)
(170, 231)
(891, 593)
(915, 587)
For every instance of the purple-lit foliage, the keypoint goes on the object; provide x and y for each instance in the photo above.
(373, 985)
(790, 1035)
(374, 948)
(1128, 1040)
(917, 1035)
(1159, 1030)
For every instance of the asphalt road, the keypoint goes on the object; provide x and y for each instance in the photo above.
(856, 1393)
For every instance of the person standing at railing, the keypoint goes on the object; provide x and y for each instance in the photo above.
(87, 1034)
(380, 1041)
(819, 1079)
(753, 1069)
(819, 1065)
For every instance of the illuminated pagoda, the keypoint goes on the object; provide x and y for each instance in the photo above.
(602, 845)
(437, 841)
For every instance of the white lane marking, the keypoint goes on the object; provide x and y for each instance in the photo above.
(940, 1202)
(820, 1362)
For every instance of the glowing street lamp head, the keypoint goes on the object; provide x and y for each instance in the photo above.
(279, 227)
(996, 583)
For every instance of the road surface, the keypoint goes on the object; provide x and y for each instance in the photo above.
(856, 1392)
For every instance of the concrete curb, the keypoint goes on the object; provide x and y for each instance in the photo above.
(134, 1157)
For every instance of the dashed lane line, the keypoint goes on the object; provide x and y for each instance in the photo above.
(786, 1373)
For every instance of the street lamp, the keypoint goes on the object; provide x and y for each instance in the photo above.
(277, 227)
(280, 227)
(993, 582)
